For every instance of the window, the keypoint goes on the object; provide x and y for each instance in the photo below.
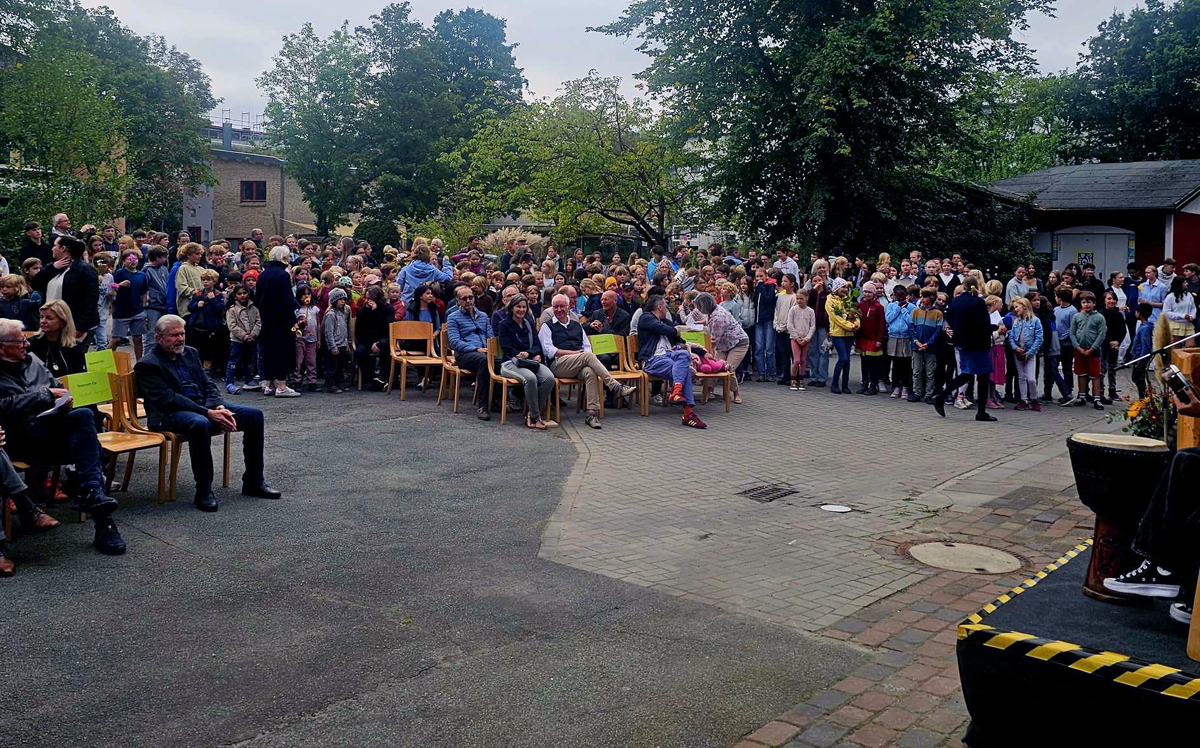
(254, 192)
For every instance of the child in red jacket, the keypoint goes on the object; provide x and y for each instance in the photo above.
(870, 339)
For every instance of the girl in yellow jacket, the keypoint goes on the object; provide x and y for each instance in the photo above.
(843, 322)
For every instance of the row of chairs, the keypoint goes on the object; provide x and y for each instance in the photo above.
(427, 352)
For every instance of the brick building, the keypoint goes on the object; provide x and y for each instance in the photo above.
(253, 191)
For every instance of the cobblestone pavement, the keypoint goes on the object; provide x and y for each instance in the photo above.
(657, 505)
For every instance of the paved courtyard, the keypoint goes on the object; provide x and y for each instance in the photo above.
(430, 580)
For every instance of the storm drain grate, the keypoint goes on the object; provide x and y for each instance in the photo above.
(768, 493)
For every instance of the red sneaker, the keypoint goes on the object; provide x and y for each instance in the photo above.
(693, 420)
(1035, 405)
(676, 395)
(1021, 406)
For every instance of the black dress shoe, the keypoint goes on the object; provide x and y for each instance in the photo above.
(262, 491)
(985, 417)
(484, 414)
(207, 503)
(96, 502)
(939, 404)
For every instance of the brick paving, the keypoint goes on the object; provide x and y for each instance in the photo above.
(656, 505)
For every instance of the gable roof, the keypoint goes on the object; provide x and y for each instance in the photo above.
(1142, 185)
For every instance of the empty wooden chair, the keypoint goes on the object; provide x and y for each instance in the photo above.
(451, 373)
(418, 331)
(117, 443)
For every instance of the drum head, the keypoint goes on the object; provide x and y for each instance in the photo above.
(1121, 441)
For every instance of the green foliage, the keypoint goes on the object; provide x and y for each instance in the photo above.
(589, 160)
(454, 230)
(377, 232)
(1135, 96)
(316, 92)
(817, 116)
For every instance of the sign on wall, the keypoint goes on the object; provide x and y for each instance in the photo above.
(1088, 258)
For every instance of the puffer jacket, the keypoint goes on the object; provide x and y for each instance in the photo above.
(242, 321)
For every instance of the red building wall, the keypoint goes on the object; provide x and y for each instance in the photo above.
(1186, 244)
(1148, 225)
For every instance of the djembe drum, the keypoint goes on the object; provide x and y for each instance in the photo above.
(1115, 475)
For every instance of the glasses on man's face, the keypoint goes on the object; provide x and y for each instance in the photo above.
(14, 341)
(468, 297)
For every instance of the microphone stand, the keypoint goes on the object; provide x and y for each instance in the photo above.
(1164, 398)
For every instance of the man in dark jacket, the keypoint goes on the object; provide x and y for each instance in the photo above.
(70, 278)
(971, 330)
(659, 357)
(34, 245)
(181, 399)
(27, 392)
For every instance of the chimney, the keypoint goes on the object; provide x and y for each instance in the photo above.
(227, 136)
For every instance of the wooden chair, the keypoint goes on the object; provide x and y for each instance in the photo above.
(627, 372)
(117, 443)
(124, 366)
(450, 370)
(724, 378)
(632, 348)
(420, 331)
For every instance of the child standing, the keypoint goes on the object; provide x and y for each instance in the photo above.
(871, 331)
(206, 316)
(244, 325)
(1114, 337)
(336, 329)
(1087, 336)
(764, 328)
(999, 362)
(12, 306)
(1063, 314)
(925, 323)
(1143, 343)
(129, 315)
(1026, 338)
(801, 325)
(108, 291)
(29, 269)
(899, 344)
(306, 340)
(784, 301)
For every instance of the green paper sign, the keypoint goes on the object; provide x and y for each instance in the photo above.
(101, 361)
(89, 388)
(602, 344)
(693, 336)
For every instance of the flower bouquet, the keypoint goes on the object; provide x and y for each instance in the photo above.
(1146, 416)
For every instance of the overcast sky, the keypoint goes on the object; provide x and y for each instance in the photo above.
(235, 39)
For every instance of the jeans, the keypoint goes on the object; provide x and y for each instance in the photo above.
(538, 385)
(818, 357)
(336, 367)
(924, 372)
(1108, 366)
(1066, 359)
(764, 348)
(743, 367)
(1025, 374)
(152, 317)
(241, 361)
(101, 340)
(198, 431)
(1050, 377)
(842, 344)
(64, 439)
(676, 366)
(1167, 534)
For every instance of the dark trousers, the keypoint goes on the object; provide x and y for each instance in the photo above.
(478, 363)
(872, 369)
(902, 373)
(243, 361)
(367, 362)
(1170, 526)
(1139, 378)
(198, 431)
(944, 371)
(335, 367)
(1066, 359)
(783, 355)
(983, 382)
(65, 438)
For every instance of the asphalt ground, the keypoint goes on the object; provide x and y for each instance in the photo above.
(393, 597)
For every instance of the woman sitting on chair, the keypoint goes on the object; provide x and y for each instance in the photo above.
(523, 360)
(57, 345)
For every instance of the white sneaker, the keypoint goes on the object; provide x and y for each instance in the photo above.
(1181, 612)
(286, 392)
(962, 403)
(268, 391)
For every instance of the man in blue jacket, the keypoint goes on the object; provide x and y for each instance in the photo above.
(468, 330)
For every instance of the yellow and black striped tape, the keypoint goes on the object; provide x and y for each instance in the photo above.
(1112, 666)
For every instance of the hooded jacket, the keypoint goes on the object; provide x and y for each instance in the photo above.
(417, 272)
(242, 321)
(24, 393)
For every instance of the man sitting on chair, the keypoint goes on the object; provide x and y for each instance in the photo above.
(27, 391)
(570, 354)
(659, 357)
(180, 398)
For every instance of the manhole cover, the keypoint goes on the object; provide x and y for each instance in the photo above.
(964, 557)
(767, 494)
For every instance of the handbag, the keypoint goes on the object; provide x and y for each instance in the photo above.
(526, 363)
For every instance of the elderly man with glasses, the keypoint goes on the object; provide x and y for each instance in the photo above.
(28, 392)
(468, 330)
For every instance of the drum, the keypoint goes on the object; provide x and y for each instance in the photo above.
(1115, 475)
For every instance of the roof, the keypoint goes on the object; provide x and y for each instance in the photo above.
(255, 158)
(1142, 185)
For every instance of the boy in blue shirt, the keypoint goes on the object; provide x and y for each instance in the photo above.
(1143, 343)
(129, 306)
(1063, 315)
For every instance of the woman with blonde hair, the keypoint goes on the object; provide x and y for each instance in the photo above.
(56, 343)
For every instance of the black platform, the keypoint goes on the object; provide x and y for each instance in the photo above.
(1050, 664)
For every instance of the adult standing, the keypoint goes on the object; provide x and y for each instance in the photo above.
(1017, 286)
(971, 330)
(729, 339)
(1151, 291)
(277, 307)
(73, 280)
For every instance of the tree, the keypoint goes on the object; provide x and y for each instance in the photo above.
(1134, 96)
(479, 65)
(815, 115)
(316, 105)
(587, 154)
(68, 139)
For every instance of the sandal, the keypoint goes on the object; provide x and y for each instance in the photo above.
(737, 399)
(532, 424)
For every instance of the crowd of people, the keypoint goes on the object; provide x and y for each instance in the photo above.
(277, 315)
